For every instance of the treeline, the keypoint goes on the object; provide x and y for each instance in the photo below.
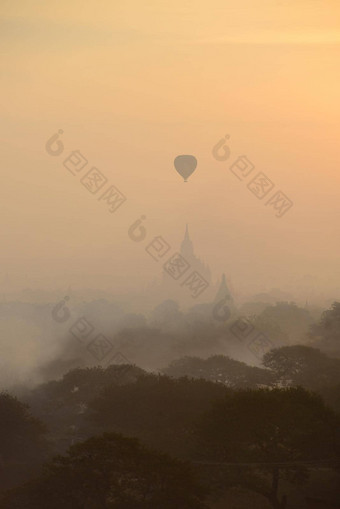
(201, 432)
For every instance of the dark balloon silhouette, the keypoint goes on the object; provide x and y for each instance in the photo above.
(185, 165)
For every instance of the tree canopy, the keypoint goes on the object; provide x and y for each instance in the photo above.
(110, 471)
(265, 435)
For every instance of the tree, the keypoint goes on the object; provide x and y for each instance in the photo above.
(292, 320)
(303, 365)
(168, 317)
(63, 404)
(110, 471)
(326, 334)
(269, 326)
(157, 409)
(266, 435)
(219, 368)
(21, 439)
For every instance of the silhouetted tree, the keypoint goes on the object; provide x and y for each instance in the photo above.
(63, 404)
(219, 368)
(303, 365)
(21, 440)
(326, 334)
(268, 435)
(110, 471)
(160, 410)
(292, 320)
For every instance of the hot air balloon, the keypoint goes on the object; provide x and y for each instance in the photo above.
(185, 165)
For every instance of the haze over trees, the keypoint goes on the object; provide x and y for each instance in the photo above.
(205, 429)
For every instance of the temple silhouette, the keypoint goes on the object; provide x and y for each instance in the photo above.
(198, 275)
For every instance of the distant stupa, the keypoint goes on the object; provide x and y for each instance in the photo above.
(187, 248)
(224, 294)
(175, 289)
(223, 290)
(187, 251)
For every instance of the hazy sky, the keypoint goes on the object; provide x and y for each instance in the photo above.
(133, 84)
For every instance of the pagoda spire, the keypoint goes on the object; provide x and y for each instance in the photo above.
(223, 290)
(187, 248)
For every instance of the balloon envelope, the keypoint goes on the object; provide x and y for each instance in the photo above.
(185, 165)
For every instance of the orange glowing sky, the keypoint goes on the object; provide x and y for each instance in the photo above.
(133, 84)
